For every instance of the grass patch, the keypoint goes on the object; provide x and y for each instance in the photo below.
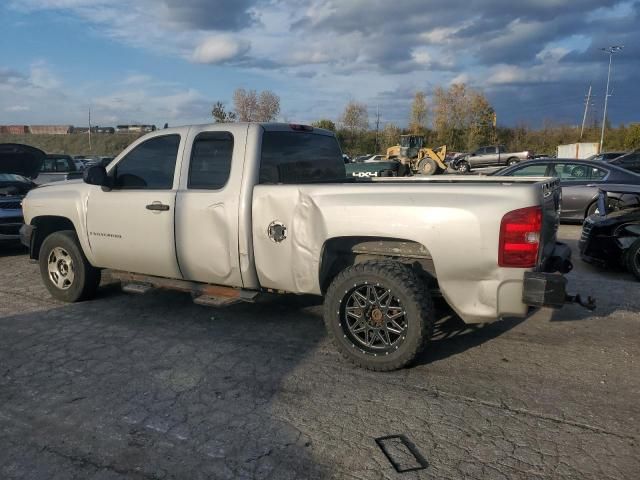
(75, 143)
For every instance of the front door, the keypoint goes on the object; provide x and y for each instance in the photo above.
(131, 227)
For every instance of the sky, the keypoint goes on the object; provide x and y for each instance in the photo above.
(168, 61)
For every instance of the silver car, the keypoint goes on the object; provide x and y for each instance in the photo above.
(579, 180)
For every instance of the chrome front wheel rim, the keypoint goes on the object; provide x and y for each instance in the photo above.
(60, 268)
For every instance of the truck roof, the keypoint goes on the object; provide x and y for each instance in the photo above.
(269, 126)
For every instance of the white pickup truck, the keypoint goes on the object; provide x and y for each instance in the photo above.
(231, 211)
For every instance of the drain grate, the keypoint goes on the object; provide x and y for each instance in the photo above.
(402, 453)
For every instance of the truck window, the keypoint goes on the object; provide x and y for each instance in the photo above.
(300, 157)
(210, 160)
(150, 165)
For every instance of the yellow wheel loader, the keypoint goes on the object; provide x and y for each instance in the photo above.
(411, 153)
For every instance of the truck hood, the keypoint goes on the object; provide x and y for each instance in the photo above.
(20, 159)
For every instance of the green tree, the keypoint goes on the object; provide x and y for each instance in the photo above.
(419, 114)
(462, 117)
(324, 123)
(220, 114)
(390, 135)
(632, 137)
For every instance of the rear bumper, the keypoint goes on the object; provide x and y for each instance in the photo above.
(542, 289)
(548, 287)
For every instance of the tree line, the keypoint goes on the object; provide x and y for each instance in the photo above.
(459, 116)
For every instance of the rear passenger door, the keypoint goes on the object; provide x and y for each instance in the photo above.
(490, 157)
(208, 205)
(579, 186)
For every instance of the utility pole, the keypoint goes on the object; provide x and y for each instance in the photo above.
(586, 109)
(89, 129)
(610, 50)
(377, 125)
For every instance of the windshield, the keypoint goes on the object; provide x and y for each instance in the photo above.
(11, 177)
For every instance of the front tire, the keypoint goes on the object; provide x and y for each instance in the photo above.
(463, 167)
(65, 270)
(427, 166)
(378, 315)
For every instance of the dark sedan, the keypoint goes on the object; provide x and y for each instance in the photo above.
(630, 161)
(579, 180)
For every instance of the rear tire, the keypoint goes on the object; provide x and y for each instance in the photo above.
(513, 161)
(378, 314)
(632, 258)
(65, 270)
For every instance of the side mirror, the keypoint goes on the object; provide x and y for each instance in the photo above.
(96, 175)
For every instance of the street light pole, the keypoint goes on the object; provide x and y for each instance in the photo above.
(610, 50)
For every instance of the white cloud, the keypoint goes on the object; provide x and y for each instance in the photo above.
(17, 108)
(219, 49)
(42, 77)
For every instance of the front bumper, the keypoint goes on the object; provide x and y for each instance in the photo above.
(10, 228)
(26, 235)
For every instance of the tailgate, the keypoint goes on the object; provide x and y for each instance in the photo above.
(551, 204)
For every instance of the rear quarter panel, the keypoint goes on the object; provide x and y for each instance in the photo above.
(458, 223)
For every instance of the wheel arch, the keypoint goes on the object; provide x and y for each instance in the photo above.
(339, 253)
(45, 225)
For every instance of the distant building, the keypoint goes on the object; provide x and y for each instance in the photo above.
(135, 128)
(14, 129)
(51, 129)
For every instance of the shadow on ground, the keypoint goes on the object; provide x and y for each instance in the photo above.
(153, 387)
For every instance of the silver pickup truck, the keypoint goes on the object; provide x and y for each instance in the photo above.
(229, 212)
(493, 156)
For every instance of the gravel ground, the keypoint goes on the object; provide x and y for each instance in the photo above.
(155, 387)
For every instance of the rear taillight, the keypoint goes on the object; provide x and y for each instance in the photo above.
(520, 238)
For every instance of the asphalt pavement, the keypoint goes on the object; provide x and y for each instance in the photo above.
(156, 387)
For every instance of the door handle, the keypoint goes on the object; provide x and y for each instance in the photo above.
(158, 207)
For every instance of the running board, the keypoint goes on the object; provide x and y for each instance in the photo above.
(202, 293)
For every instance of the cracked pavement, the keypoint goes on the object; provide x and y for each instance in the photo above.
(156, 387)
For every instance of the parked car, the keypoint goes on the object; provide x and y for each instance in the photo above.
(57, 167)
(613, 237)
(605, 157)
(493, 156)
(375, 158)
(630, 161)
(580, 181)
(18, 165)
(273, 203)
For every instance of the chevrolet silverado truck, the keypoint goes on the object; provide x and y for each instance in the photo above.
(493, 156)
(234, 212)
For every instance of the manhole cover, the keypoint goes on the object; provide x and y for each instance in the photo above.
(402, 453)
